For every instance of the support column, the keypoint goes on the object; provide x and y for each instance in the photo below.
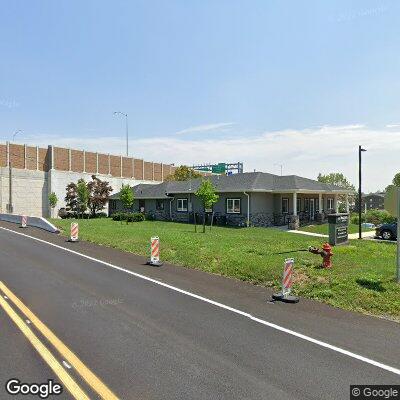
(347, 203)
(294, 221)
(335, 203)
(295, 203)
(320, 215)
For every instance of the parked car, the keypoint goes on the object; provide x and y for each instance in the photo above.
(386, 231)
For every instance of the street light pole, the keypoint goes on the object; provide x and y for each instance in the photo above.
(126, 129)
(360, 150)
(10, 199)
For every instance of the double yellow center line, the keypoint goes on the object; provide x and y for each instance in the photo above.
(91, 379)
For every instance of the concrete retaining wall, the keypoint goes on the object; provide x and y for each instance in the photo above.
(37, 222)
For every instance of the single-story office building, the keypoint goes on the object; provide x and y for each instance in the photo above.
(251, 198)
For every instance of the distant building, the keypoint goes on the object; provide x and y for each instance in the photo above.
(373, 201)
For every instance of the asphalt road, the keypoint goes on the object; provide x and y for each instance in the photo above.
(147, 341)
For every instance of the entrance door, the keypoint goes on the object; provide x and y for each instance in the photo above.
(312, 209)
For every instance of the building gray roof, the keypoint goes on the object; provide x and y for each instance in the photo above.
(244, 182)
(377, 194)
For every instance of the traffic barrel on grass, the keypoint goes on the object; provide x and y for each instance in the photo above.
(74, 236)
(287, 282)
(155, 252)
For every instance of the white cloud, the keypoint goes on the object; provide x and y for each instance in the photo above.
(205, 128)
(393, 126)
(302, 152)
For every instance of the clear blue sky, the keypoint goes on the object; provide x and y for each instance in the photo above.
(260, 66)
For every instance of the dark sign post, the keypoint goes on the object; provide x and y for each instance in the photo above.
(338, 228)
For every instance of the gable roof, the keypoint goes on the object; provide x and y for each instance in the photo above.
(244, 182)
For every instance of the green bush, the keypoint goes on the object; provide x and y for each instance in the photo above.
(128, 217)
(138, 217)
(150, 217)
(375, 217)
(118, 216)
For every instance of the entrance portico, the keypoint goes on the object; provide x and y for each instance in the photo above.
(303, 206)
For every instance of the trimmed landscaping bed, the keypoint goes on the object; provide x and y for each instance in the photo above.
(362, 278)
(324, 228)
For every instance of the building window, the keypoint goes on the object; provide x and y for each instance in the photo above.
(159, 205)
(233, 206)
(306, 204)
(182, 205)
(330, 203)
(298, 205)
(285, 205)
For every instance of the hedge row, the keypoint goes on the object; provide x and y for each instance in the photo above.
(375, 217)
(128, 217)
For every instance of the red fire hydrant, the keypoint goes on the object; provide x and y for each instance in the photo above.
(325, 253)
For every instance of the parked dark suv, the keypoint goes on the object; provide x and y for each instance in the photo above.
(387, 231)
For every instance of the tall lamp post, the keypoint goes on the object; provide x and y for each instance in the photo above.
(126, 127)
(360, 150)
(10, 199)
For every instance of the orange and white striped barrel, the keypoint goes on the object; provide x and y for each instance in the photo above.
(155, 249)
(287, 280)
(24, 221)
(74, 232)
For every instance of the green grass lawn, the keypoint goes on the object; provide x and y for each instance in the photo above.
(324, 229)
(362, 278)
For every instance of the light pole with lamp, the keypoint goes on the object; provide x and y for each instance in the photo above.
(360, 150)
(126, 127)
(10, 202)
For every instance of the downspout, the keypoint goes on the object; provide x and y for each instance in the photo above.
(170, 208)
(248, 209)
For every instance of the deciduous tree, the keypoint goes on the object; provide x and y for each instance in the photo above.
(99, 193)
(184, 173)
(82, 192)
(207, 193)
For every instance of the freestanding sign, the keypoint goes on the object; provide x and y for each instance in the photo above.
(392, 204)
(338, 228)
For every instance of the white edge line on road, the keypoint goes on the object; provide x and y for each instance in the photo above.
(217, 304)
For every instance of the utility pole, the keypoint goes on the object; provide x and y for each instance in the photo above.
(360, 150)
